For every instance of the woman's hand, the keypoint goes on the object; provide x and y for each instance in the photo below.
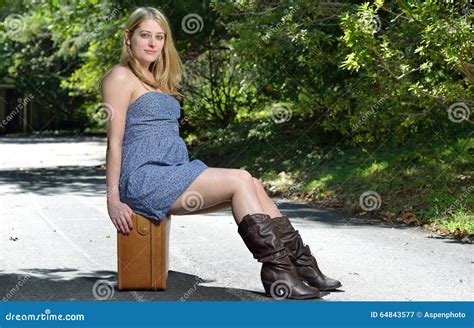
(121, 216)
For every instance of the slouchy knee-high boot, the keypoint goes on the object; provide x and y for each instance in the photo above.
(301, 256)
(278, 274)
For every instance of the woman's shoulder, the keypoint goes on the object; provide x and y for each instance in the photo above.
(119, 73)
(118, 77)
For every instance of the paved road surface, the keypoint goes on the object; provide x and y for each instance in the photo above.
(57, 241)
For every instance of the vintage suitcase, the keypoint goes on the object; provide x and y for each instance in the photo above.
(143, 255)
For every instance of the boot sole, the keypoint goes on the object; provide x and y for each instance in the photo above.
(320, 294)
(327, 288)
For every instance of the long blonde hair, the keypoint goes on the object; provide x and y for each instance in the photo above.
(167, 71)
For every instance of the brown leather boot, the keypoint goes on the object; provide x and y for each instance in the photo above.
(301, 256)
(278, 274)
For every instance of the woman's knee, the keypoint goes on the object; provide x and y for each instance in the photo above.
(244, 176)
(240, 180)
(228, 180)
(258, 184)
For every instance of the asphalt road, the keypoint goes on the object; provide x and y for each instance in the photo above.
(57, 241)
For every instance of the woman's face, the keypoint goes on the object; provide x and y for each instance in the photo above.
(147, 41)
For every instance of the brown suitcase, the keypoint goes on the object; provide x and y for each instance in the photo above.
(143, 255)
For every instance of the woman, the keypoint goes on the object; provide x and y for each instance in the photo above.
(149, 172)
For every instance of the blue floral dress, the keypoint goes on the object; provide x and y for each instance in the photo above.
(155, 168)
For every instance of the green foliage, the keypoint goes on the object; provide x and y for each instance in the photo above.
(217, 89)
(360, 72)
(51, 50)
(60, 51)
(292, 84)
(430, 182)
(363, 72)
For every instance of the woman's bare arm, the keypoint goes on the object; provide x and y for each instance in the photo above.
(116, 91)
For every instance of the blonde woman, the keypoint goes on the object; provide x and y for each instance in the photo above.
(149, 172)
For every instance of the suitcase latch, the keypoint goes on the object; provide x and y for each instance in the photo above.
(143, 226)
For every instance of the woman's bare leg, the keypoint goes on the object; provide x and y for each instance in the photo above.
(269, 207)
(217, 185)
(214, 208)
